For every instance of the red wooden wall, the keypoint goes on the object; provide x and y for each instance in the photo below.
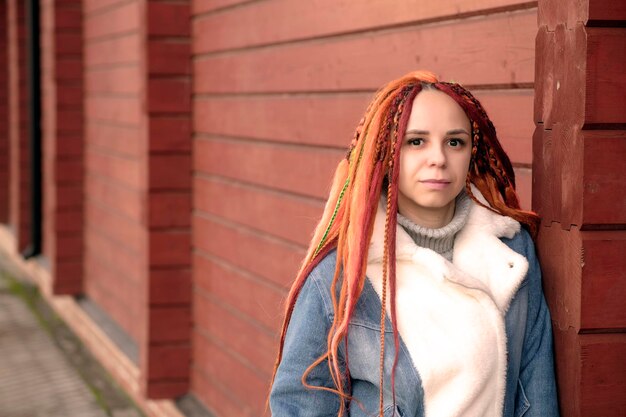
(580, 149)
(251, 104)
(138, 181)
(166, 349)
(19, 159)
(278, 89)
(62, 137)
(4, 115)
(115, 176)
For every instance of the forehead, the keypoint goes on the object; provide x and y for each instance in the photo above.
(433, 110)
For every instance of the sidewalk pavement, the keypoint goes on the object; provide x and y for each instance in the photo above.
(44, 369)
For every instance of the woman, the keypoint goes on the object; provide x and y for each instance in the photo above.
(420, 294)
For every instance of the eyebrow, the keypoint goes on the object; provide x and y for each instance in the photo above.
(449, 132)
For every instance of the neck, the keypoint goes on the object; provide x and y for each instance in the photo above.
(435, 218)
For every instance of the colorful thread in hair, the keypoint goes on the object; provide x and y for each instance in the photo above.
(348, 218)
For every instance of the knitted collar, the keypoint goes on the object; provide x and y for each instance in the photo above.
(440, 240)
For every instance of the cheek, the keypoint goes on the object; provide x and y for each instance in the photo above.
(407, 169)
(464, 164)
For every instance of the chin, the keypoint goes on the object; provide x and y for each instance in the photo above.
(434, 201)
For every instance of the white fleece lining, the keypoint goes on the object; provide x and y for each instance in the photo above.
(451, 315)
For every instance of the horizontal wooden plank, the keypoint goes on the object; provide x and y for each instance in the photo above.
(169, 172)
(229, 242)
(168, 248)
(254, 301)
(113, 51)
(113, 257)
(168, 56)
(122, 200)
(112, 21)
(168, 19)
(603, 281)
(125, 172)
(604, 188)
(365, 63)
(116, 109)
(257, 347)
(207, 6)
(124, 231)
(607, 10)
(69, 196)
(67, 221)
(93, 6)
(170, 134)
(244, 384)
(169, 324)
(168, 363)
(169, 209)
(69, 247)
(326, 120)
(114, 80)
(606, 84)
(330, 120)
(269, 22)
(300, 170)
(115, 296)
(603, 375)
(169, 95)
(590, 13)
(169, 286)
(68, 43)
(212, 394)
(286, 216)
(584, 284)
(69, 171)
(123, 140)
(116, 284)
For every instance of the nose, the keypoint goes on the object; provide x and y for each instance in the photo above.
(436, 156)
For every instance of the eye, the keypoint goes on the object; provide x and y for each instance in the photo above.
(415, 141)
(456, 142)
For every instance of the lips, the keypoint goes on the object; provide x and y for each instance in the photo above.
(435, 181)
(436, 184)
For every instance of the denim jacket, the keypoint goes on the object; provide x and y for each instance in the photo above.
(530, 389)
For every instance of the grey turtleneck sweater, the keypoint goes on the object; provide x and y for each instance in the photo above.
(440, 240)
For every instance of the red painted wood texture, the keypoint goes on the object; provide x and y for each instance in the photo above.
(167, 351)
(278, 89)
(63, 147)
(606, 85)
(365, 62)
(4, 119)
(281, 21)
(579, 150)
(588, 12)
(19, 154)
(604, 187)
(115, 175)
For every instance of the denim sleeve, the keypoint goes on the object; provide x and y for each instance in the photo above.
(305, 342)
(537, 365)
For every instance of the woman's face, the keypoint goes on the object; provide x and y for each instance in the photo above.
(434, 159)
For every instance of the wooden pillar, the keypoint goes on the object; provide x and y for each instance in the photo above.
(579, 189)
(4, 119)
(19, 154)
(166, 349)
(63, 142)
